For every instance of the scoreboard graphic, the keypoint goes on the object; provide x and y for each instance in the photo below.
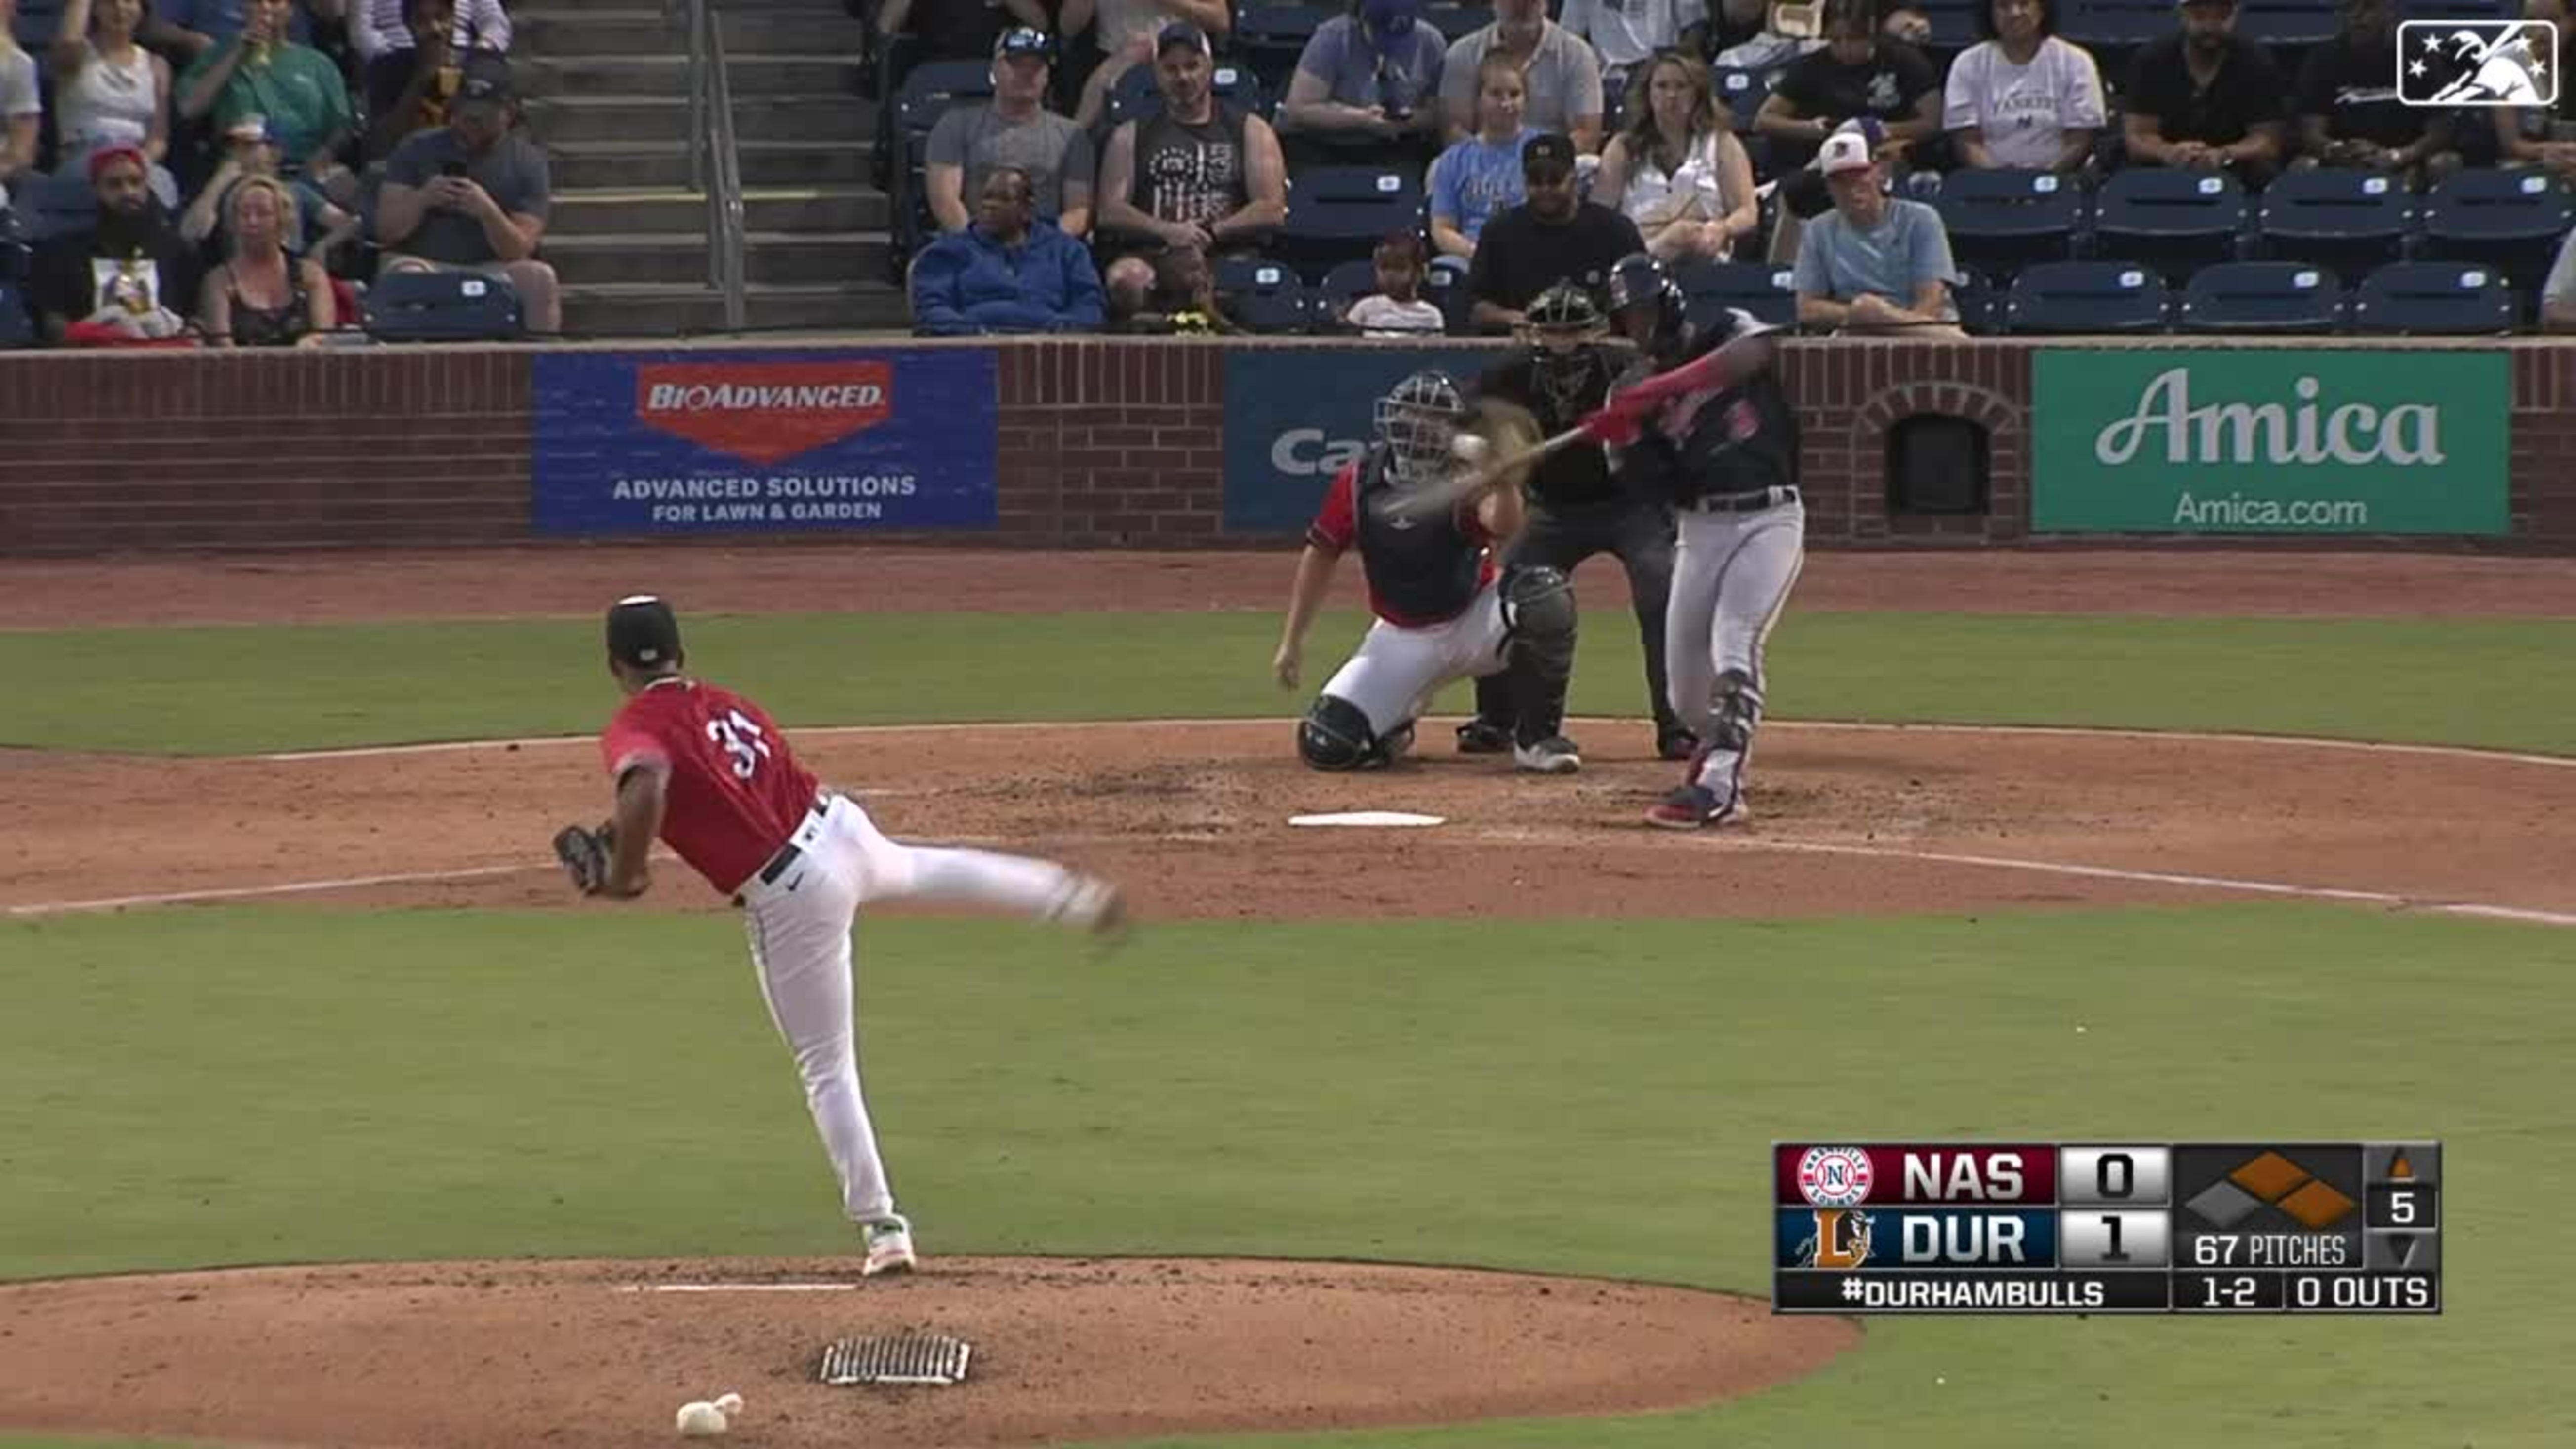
(2159, 1227)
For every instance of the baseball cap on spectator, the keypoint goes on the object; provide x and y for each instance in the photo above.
(486, 81)
(1181, 32)
(104, 155)
(643, 632)
(252, 127)
(1391, 18)
(1026, 41)
(1548, 151)
(1844, 151)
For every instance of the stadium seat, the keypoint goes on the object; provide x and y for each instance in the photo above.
(2459, 10)
(1445, 287)
(1981, 306)
(51, 206)
(2288, 26)
(2434, 298)
(2002, 221)
(1337, 213)
(1347, 282)
(37, 21)
(2116, 25)
(1265, 296)
(1710, 288)
(1954, 24)
(1135, 97)
(1743, 91)
(928, 90)
(1271, 38)
(2288, 297)
(2351, 221)
(2083, 297)
(2511, 221)
(2174, 220)
(442, 307)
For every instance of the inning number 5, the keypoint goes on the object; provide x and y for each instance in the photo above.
(741, 739)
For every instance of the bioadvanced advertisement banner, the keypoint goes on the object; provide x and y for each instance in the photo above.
(1294, 416)
(2264, 440)
(763, 442)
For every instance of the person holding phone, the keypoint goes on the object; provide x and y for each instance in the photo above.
(474, 195)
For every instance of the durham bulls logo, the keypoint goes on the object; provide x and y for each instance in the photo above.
(1841, 1242)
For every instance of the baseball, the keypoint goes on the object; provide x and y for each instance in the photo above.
(699, 1419)
(1469, 448)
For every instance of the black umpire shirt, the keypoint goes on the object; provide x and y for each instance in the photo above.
(1559, 397)
(2247, 91)
(1519, 256)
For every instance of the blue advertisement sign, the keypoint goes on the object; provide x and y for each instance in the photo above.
(765, 442)
(1294, 416)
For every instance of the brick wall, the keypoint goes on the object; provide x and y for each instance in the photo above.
(1102, 441)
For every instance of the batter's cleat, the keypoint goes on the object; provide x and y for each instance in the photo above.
(1555, 755)
(1689, 807)
(1397, 744)
(1481, 737)
(889, 1248)
(1675, 743)
(1094, 905)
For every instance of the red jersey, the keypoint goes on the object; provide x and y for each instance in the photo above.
(1336, 529)
(736, 791)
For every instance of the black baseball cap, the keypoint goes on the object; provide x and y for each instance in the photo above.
(1027, 41)
(1181, 32)
(486, 78)
(643, 633)
(1548, 151)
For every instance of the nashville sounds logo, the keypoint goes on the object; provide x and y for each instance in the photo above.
(764, 412)
(1834, 1176)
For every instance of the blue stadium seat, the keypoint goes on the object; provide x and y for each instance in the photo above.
(1445, 287)
(1709, 288)
(1743, 91)
(1347, 282)
(2351, 221)
(1981, 306)
(2085, 297)
(928, 90)
(51, 206)
(37, 21)
(1337, 213)
(1954, 24)
(2458, 10)
(2116, 25)
(2512, 221)
(442, 307)
(1135, 96)
(1265, 296)
(1271, 38)
(2174, 220)
(2289, 297)
(2435, 298)
(2002, 221)
(2287, 26)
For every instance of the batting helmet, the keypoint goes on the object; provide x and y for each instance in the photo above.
(1637, 283)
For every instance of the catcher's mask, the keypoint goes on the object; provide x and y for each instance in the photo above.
(1639, 283)
(1417, 421)
(1560, 322)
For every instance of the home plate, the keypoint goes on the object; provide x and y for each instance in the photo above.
(1369, 817)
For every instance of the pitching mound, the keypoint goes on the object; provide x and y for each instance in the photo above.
(467, 1355)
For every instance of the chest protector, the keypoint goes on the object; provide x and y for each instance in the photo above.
(1425, 569)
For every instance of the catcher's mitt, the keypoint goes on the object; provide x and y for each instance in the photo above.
(585, 855)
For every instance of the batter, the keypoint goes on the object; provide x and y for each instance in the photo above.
(711, 774)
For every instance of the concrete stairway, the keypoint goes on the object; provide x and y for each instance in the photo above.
(607, 90)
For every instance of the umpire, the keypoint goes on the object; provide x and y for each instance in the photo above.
(1576, 509)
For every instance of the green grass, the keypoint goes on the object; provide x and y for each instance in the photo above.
(233, 689)
(225, 1086)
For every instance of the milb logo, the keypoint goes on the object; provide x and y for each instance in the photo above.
(2477, 63)
(764, 412)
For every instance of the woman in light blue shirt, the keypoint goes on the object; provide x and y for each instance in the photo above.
(1481, 175)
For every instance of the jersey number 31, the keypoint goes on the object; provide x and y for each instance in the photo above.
(741, 739)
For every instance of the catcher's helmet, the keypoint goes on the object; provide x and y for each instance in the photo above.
(1640, 281)
(1416, 420)
(1564, 310)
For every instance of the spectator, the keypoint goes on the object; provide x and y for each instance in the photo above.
(1875, 263)
(1397, 309)
(2543, 136)
(1482, 174)
(958, 29)
(1127, 33)
(193, 27)
(2349, 113)
(260, 73)
(1018, 131)
(262, 295)
(22, 104)
(1560, 72)
(2558, 294)
(109, 92)
(2206, 98)
(1628, 33)
(1179, 298)
(1196, 174)
(2024, 98)
(1369, 79)
(1677, 170)
(1859, 72)
(1008, 272)
(1554, 236)
(250, 150)
(402, 44)
(123, 281)
(474, 196)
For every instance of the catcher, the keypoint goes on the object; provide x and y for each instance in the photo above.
(710, 773)
(1444, 610)
(1576, 508)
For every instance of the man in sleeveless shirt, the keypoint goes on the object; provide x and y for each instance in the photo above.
(1197, 174)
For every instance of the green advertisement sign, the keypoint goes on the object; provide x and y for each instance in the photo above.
(2258, 440)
